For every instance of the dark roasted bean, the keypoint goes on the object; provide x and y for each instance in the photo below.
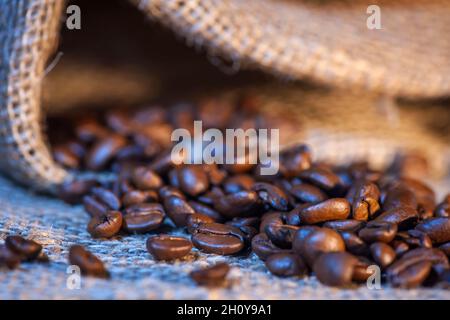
(8, 258)
(206, 210)
(376, 231)
(65, 157)
(146, 179)
(245, 222)
(133, 197)
(216, 176)
(286, 265)
(271, 195)
(328, 210)
(279, 233)
(106, 197)
(178, 209)
(399, 195)
(415, 239)
(88, 130)
(94, 207)
(73, 191)
(211, 276)
(335, 268)
(192, 179)
(365, 202)
(443, 209)
(263, 247)
(348, 225)
(218, 238)
(438, 229)
(242, 182)
(294, 160)
(168, 191)
(308, 193)
(195, 219)
(354, 244)
(243, 203)
(382, 254)
(103, 151)
(399, 246)
(404, 217)
(106, 225)
(445, 248)
(321, 177)
(165, 247)
(144, 217)
(361, 271)
(88, 263)
(28, 249)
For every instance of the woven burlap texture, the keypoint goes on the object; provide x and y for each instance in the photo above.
(327, 41)
(135, 275)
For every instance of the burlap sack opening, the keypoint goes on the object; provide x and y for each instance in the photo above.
(409, 57)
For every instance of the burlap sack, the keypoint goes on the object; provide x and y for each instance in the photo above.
(327, 42)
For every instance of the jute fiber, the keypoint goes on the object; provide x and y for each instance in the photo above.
(325, 41)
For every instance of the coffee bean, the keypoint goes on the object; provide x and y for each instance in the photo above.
(300, 236)
(271, 195)
(445, 248)
(242, 182)
(245, 222)
(286, 265)
(243, 203)
(399, 195)
(106, 197)
(318, 242)
(8, 258)
(263, 247)
(72, 191)
(211, 276)
(376, 231)
(165, 247)
(28, 249)
(65, 157)
(103, 151)
(361, 270)
(133, 197)
(415, 239)
(328, 210)
(404, 217)
(194, 220)
(206, 210)
(106, 225)
(88, 263)
(88, 130)
(94, 207)
(294, 160)
(348, 225)
(335, 268)
(354, 244)
(218, 239)
(278, 232)
(178, 210)
(443, 209)
(382, 254)
(215, 175)
(321, 177)
(193, 179)
(141, 218)
(146, 179)
(168, 191)
(365, 202)
(400, 247)
(438, 229)
(308, 193)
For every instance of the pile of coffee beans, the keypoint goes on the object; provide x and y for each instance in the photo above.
(17, 249)
(341, 223)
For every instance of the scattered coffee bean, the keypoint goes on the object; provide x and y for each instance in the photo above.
(28, 249)
(88, 263)
(212, 276)
(141, 218)
(106, 225)
(218, 238)
(286, 265)
(8, 258)
(165, 247)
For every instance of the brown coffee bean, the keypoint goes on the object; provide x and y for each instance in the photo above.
(120, 122)
(404, 217)
(318, 242)
(382, 254)
(328, 210)
(88, 263)
(103, 151)
(415, 239)
(107, 197)
(133, 197)
(141, 218)
(321, 177)
(294, 160)
(348, 225)
(28, 249)
(376, 231)
(162, 163)
(73, 191)
(94, 207)
(88, 130)
(206, 210)
(286, 265)
(299, 237)
(65, 157)
(438, 229)
(445, 248)
(168, 191)
(365, 202)
(241, 182)
(308, 193)
(399, 195)
(8, 258)
(443, 209)
(196, 219)
(243, 203)
(425, 196)
(245, 222)
(218, 239)
(361, 270)
(106, 225)
(178, 210)
(278, 232)
(400, 247)
(271, 195)
(335, 268)
(165, 247)
(215, 175)
(211, 276)
(192, 179)
(354, 244)
(146, 179)
(263, 247)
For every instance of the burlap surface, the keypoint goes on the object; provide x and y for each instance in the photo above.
(135, 275)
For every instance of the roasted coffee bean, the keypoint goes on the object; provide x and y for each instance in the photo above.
(248, 232)
(279, 233)
(445, 248)
(242, 182)
(103, 151)
(196, 219)
(348, 225)
(215, 175)
(286, 265)
(88, 130)
(144, 217)
(294, 160)
(165, 247)
(415, 239)
(328, 210)
(162, 163)
(271, 195)
(245, 222)
(146, 179)
(263, 247)
(425, 196)
(88, 263)
(168, 191)
(318, 242)
(193, 179)
(299, 237)
(376, 231)
(443, 209)
(438, 229)
(28, 249)
(354, 244)
(106, 197)
(178, 209)
(8, 258)
(382, 254)
(218, 238)
(308, 193)
(365, 202)
(243, 203)
(321, 177)
(404, 217)
(212, 276)
(94, 207)
(65, 157)
(206, 210)
(400, 247)
(211, 196)
(133, 197)
(335, 268)
(120, 122)
(106, 225)
(399, 195)
(361, 270)
(73, 191)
